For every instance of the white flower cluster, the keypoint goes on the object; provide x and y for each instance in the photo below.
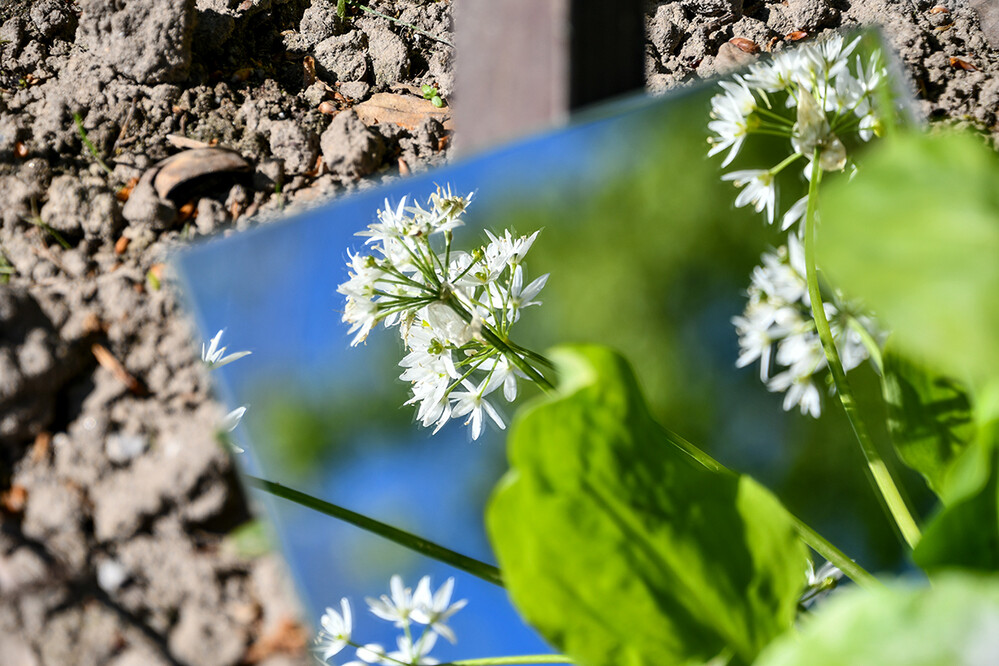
(404, 608)
(823, 101)
(777, 325)
(454, 309)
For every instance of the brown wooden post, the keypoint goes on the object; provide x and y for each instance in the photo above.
(523, 65)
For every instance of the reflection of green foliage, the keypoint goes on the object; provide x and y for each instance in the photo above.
(698, 563)
(655, 262)
(304, 431)
(251, 539)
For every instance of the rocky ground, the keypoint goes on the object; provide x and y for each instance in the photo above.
(115, 497)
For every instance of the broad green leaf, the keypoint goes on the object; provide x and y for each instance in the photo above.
(965, 533)
(953, 623)
(916, 235)
(929, 417)
(620, 548)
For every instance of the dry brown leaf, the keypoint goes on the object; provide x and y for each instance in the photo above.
(747, 45)
(186, 166)
(939, 10)
(121, 245)
(309, 67)
(40, 449)
(125, 192)
(20, 150)
(288, 637)
(960, 63)
(14, 499)
(404, 110)
(797, 35)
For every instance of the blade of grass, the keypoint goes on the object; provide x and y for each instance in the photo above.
(90, 146)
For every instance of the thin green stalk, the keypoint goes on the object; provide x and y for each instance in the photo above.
(790, 159)
(806, 533)
(486, 572)
(412, 27)
(519, 659)
(880, 473)
(90, 146)
(496, 341)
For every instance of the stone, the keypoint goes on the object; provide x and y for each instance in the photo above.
(350, 148)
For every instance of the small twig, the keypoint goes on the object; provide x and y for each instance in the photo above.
(124, 127)
(107, 359)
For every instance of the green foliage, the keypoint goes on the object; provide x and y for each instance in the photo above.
(620, 548)
(954, 622)
(916, 235)
(929, 417)
(251, 539)
(965, 534)
(6, 268)
(430, 92)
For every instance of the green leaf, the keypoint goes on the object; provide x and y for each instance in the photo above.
(916, 235)
(437, 101)
(251, 539)
(428, 91)
(929, 417)
(954, 622)
(965, 533)
(620, 548)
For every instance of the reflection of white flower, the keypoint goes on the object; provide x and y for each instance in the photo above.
(212, 356)
(404, 609)
(335, 633)
(472, 401)
(454, 309)
(776, 328)
(435, 610)
(398, 607)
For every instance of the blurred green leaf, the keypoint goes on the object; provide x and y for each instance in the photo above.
(916, 234)
(954, 622)
(620, 548)
(929, 417)
(965, 533)
(251, 539)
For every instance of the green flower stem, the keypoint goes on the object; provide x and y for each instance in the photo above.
(519, 659)
(486, 572)
(493, 338)
(880, 473)
(782, 120)
(806, 533)
(790, 159)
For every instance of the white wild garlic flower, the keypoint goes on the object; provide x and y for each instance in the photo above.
(405, 609)
(454, 309)
(812, 96)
